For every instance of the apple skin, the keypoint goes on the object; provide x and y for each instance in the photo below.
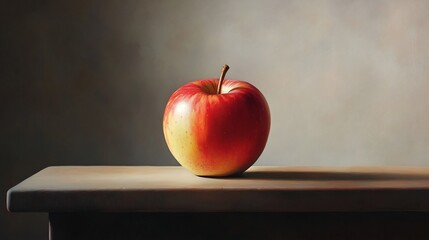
(213, 134)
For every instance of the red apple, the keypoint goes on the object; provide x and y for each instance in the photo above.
(216, 127)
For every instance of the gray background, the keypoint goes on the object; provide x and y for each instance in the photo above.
(86, 82)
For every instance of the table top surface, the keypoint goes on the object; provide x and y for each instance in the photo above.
(266, 189)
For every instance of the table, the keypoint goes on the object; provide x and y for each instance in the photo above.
(130, 202)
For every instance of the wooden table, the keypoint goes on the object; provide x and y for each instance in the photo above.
(107, 202)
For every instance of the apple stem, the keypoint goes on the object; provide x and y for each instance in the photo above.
(222, 77)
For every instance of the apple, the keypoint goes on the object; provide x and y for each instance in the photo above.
(217, 127)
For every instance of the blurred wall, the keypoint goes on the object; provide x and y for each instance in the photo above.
(86, 82)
